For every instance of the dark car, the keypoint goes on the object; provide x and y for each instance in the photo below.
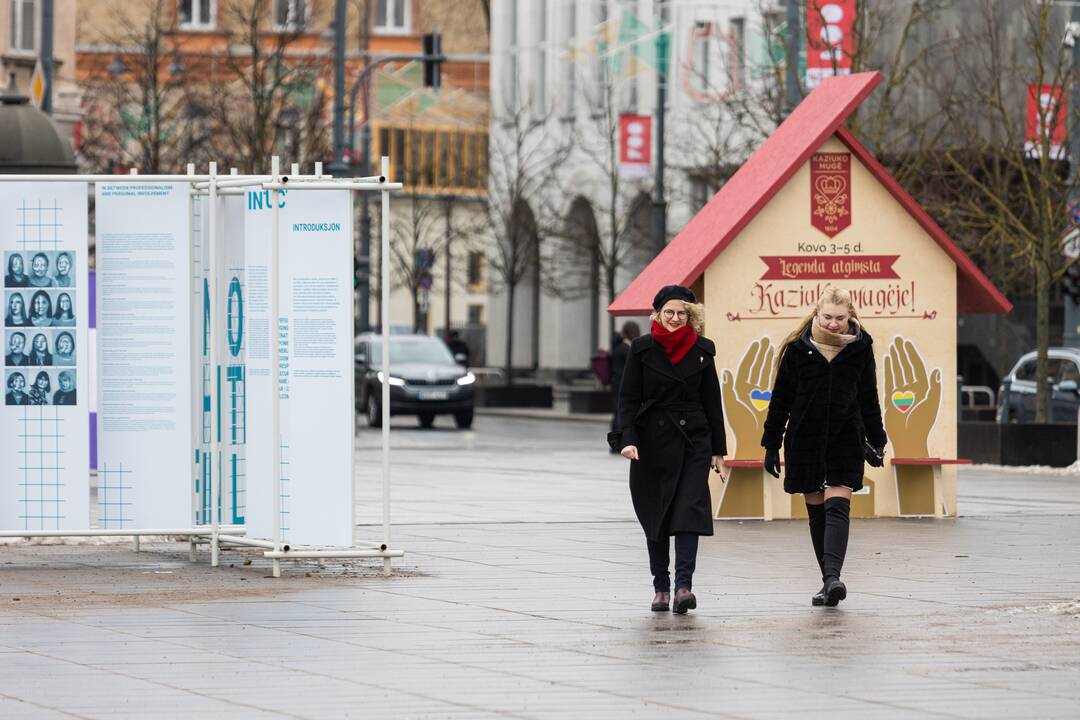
(1016, 397)
(425, 380)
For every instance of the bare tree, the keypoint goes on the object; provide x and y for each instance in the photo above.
(605, 231)
(254, 95)
(523, 159)
(1018, 190)
(138, 111)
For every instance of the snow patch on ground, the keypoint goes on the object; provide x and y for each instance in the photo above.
(1073, 469)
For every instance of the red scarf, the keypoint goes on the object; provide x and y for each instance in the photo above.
(676, 343)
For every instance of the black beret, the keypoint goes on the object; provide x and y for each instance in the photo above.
(673, 292)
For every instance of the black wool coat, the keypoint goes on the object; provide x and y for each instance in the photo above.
(674, 415)
(822, 411)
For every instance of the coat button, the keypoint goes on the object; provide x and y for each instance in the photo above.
(660, 423)
(682, 422)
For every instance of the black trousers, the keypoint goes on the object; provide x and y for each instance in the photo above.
(686, 545)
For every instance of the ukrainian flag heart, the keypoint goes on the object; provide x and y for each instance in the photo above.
(903, 401)
(760, 398)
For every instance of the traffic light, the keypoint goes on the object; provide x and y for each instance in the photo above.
(433, 58)
(1070, 284)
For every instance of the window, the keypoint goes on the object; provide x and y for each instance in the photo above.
(197, 14)
(475, 272)
(738, 50)
(392, 16)
(601, 78)
(476, 315)
(1069, 371)
(570, 63)
(1026, 371)
(540, 102)
(24, 25)
(435, 158)
(512, 57)
(290, 14)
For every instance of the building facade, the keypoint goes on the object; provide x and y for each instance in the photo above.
(563, 73)
(20, 47)
(167, 82)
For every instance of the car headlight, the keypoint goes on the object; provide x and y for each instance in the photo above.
(393, 380)
(466, 379)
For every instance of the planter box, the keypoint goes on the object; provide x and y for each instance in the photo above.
(592, 401)
(536, 396)
(1052, 444)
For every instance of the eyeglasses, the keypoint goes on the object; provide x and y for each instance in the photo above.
(669, 314)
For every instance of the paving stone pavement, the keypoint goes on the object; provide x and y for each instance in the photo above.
(524, 593)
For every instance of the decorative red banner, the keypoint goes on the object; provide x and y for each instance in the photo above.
(830, 39)
(829, 267)
(635, 145)
(830, 192)
(1046, 116)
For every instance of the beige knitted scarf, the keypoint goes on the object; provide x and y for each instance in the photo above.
(829, 343)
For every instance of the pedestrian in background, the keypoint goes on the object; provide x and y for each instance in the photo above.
(671, 428)
(824, 410)
(620, 351)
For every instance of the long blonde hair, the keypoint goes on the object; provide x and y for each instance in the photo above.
(833, 295)
(695, 316)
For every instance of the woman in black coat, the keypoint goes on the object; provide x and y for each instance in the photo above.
(824, 410)
(672, 429)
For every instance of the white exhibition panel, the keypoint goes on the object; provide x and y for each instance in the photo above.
(144, 362)
(231, 362)
(44, 424)
(315, 378)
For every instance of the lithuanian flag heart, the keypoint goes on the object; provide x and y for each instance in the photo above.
(903, 401)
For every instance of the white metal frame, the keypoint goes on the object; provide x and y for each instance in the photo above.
(213, 185)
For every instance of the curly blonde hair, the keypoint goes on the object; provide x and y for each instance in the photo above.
(695, 316)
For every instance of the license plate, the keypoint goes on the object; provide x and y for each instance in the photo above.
(433, 394)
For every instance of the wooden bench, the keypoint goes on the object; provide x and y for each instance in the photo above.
(919, 479)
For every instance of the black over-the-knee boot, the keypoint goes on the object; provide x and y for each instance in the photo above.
(837, 523)
(816, 515)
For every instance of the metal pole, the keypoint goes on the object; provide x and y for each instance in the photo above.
(384, 290)
(446, 280)
(47, 54)
(211, 303)
(659, 229)
(794, 42)
(338, 167)
(365, 221)
(194, 379)
(275, 357)
(1072, 310)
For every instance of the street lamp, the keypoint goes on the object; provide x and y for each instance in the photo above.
(117, 67)
(176, 67)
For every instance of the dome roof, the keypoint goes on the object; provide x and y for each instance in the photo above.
(29, 140)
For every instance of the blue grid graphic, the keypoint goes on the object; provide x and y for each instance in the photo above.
(41, 466)
(284, 489)
(38, 225)
(197, 269)
(112, 508)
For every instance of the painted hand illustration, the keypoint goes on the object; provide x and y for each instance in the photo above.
(912, 399)
(746, 398)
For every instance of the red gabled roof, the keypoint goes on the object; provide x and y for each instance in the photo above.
(819, 116)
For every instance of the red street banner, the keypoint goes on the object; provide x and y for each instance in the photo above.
(635, 145)
(830, 191)
(829, 267)
(830, 39)
(1046, 113)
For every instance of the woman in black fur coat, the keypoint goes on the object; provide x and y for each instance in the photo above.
(824, 410)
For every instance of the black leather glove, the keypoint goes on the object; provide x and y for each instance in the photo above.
(772, 461)
(875, 457)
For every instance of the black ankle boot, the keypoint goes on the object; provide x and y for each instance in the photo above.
(834, 591)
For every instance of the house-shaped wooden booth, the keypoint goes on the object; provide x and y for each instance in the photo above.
(810, 209)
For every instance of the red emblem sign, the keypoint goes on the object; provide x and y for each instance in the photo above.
(830, 192)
